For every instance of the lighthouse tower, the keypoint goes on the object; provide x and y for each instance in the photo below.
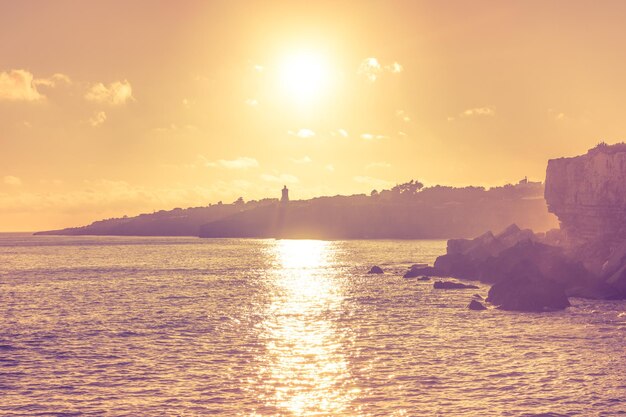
(285, 196)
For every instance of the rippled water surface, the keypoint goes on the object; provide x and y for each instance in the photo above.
(113, 326)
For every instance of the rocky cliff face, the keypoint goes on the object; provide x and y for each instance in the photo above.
(588, 195)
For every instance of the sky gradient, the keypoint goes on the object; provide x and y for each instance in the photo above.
(117, 107)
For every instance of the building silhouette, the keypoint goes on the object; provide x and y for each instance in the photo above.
(285, 196)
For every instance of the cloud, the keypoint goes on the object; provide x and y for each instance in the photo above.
(175, 128)
(343, 133)
(402, 115)
(243, 162)
(330, 167)
(371, 69)
(12, 181)
(116, 93)
(53, 81)
(97, 119)
(370, 136)
(374, 182)
(18, 85)
(374, 165)
(557, 115)
(479, 111)
(280, 178)
(302, 161)
(394, 68)
(252, 102)
(302, 133)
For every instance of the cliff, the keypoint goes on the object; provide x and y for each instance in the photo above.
(588, 194)
(586, 257)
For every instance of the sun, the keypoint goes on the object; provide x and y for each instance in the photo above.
(304, 76)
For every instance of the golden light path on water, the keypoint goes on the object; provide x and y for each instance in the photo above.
(305, 371)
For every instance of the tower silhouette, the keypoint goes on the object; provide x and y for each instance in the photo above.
(285, 196)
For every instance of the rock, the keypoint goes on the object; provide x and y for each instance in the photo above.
(449, 285)
(423, 278)
(526, 289)
(465, 258)
(416, 272)
(476, 305)
(376, 270)
(550, 261)
(618, 281)
(588, 194)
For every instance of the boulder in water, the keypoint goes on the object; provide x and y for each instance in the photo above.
(476, 305)
(416, 271)
(376, 270)
(526, 289)
(449, 285)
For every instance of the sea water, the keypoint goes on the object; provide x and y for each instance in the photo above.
(127, 326)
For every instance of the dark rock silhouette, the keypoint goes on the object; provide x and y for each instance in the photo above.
(376, 270)
(449, 285)
(416, 271)
(476, 305)
(526, 288)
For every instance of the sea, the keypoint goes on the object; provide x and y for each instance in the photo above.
(171, 326)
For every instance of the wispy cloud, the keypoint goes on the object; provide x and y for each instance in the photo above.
(557, 115)
(115, 93)
(479, 111)
(486, 111)
(394, 68)
(402, 115)
(53, 81)
(18, 85)
(302, 161)
(330, 167)
(280, 178)
(97, 119)
(243, 162)
(12, 181)
(371, 136)
(175, 128)
(371, 69)
(252, 102)
(302, 133)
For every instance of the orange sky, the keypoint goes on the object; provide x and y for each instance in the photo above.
(121, 107)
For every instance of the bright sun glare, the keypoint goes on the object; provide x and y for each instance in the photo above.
(304, 76)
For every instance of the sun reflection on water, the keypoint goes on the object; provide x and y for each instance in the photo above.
(304, 371)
